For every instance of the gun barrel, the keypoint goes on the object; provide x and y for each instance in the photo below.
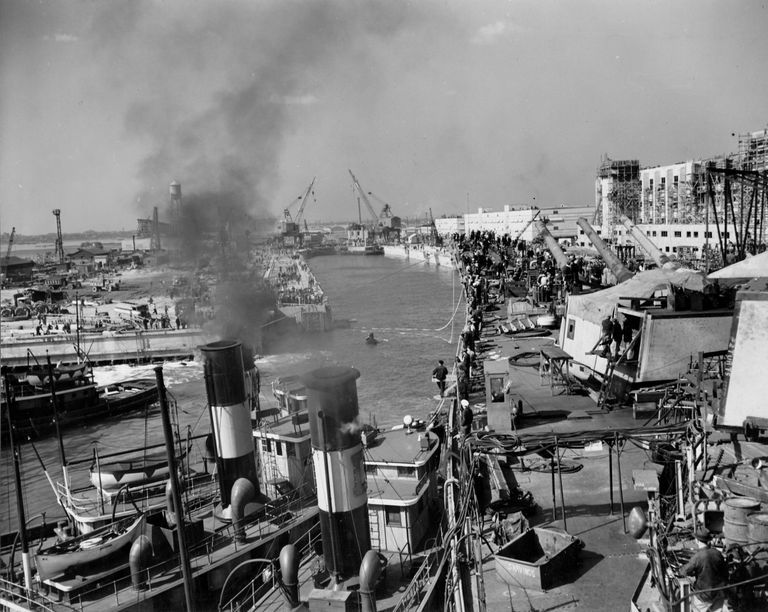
(619, 270)
(645, 243)
(552, 245)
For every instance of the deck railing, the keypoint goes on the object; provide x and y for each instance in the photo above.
(15, 597)
(279, 514)
(250, 594)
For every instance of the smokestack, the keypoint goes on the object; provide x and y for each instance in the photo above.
(230, 417)
(609, 257)
(337, 453)
(155, 241)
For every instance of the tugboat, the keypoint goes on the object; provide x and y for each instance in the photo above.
(75, 396)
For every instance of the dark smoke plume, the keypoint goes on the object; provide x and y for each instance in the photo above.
(214, 89)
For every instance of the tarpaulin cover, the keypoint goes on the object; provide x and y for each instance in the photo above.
(751, 267)
(597, 306)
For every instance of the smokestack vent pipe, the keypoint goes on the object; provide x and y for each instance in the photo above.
(230, 415)
(337, 453)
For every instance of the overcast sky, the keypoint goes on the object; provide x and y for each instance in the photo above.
(444, 104)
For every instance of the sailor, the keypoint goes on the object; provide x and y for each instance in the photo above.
(465, 417)
(370, 339)
(617, 333)
(711, 572)
(440, 373)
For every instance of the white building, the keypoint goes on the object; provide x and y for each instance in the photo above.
(674, 193)
(561, 223)
(446, 226)
(517, 222)
(686, 240)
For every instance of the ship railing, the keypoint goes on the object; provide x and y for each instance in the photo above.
(413, 592)
(281, 513)
(15, 597)
(250, 594)
(83, 508)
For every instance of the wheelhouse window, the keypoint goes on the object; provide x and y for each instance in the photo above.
(393, 516)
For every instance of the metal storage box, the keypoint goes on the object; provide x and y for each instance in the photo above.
(537, 558)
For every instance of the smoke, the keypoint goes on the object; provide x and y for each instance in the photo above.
(351, 427)
(212, 90)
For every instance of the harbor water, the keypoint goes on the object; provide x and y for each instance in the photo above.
(415, 311)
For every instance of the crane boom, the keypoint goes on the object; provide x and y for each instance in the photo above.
(10, 245)
(8, 251)
(304, 201)
(367, 202)
(527, 225)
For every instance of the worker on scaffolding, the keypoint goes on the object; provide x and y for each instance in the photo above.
(711, 573)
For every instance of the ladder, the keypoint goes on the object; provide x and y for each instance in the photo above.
(608, 377)
(271, 472)
(374, 528)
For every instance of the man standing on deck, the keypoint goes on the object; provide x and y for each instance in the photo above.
(711, 573)
(440, 373)
(465, 417)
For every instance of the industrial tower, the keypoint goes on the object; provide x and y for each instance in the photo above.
(59, 248)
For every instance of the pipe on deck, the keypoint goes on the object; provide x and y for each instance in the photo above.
(552, 244)
(646, 243)
(619, 270)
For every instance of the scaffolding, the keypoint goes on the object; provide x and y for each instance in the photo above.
(736, 194)
(617, 191)
(753, 150)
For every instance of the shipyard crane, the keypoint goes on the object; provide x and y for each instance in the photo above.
(527, 225)
(10, 244)
(386, 209)
(361, 194)
(303, 199)
(59, 248)
(291, 231)
(8, 251)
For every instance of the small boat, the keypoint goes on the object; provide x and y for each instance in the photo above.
(132, 471)
(95, 546)
(78, 398)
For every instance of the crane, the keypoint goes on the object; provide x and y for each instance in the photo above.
(300, 213)
(10, 244)
(362, 194)
(525, 227)
(304, 201)
(291, 234)
(8, 251)
(386, 209)
(59, 241)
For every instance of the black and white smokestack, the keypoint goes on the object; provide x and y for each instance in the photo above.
(230, 415)
(337, 453)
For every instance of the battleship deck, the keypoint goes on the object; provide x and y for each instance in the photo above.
(612, 562)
